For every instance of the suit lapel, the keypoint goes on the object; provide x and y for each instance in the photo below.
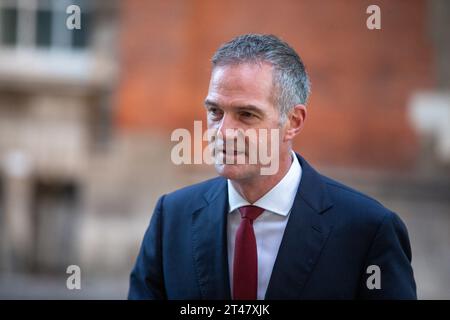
(304, 237)
(209, 240)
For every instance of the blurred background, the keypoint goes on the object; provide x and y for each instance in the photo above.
(86, 117)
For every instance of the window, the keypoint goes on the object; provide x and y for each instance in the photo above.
(8, 19)
(41, 24)
(43, 27)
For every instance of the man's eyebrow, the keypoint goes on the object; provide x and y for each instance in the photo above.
(209, 103)
(250, 107)
(246, 107)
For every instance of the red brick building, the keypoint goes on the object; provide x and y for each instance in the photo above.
(362, 79)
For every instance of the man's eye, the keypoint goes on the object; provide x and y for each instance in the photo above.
(246, 114)
(214, 112)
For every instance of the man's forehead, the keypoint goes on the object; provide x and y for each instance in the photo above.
(244, 71)
(241, 81)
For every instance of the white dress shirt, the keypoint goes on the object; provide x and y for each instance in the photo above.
(268, 227)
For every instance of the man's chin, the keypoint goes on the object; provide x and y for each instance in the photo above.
(236, 171)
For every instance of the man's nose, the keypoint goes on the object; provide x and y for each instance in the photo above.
(228, 127)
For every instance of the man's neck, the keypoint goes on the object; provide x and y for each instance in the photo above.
(254, 189)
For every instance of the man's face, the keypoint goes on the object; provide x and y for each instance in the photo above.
(240, 97)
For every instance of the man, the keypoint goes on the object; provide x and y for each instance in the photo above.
(294, 234)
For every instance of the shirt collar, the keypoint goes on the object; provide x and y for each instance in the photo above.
(279, 199)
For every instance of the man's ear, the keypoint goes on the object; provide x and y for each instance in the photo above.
(294, 123)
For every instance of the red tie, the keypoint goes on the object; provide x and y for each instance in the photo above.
(245, 266)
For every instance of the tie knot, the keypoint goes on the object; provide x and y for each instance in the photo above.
(250, 212)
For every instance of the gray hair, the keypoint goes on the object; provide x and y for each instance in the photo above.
(291, 82)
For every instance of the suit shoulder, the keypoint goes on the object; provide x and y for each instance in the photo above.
(356, 205)
(346, 191)
(190, 197)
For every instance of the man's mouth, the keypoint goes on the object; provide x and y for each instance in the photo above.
(232, 153)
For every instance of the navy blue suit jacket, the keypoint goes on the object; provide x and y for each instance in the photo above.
(333, 235)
